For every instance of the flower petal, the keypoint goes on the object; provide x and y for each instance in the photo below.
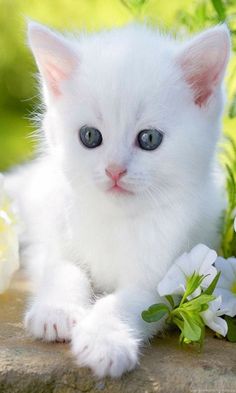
(183, 264)
(225, 293)
(210, 275)
(225, 266)
(198, 260)
(224, 283)
(216, 304)
(212, 319)
(218, 325)
(172, 283)
(228, 304)
(232, 262)
(230, 307)
(202, 258)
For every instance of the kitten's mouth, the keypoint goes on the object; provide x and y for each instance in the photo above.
(117, 189)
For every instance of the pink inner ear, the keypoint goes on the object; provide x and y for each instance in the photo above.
(203, 64)
(202, 81)
(54, 76)
(55, 69)
(55, 58)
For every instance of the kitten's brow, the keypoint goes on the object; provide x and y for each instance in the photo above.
(140, 110)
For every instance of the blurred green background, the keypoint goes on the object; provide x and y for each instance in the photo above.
(18, 93)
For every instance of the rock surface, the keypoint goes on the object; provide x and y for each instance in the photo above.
(28, 366)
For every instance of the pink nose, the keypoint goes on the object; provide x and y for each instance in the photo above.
(115, 172)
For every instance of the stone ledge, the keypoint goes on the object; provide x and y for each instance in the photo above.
(27, 366)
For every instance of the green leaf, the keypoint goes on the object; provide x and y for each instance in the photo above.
(202, 336)
(192, 283)
(197, 303)
(231, 322)
(192, 329)
(228, 243)
(155, 312)
(220, 9)
(232, 109)
(178, 322)
(186, 340)
(170, 299)
(204, 307)
(211, 288)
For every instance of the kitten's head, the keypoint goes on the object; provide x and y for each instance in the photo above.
(131, 113)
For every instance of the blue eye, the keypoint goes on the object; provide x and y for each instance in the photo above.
(90, 137)
(149, 139)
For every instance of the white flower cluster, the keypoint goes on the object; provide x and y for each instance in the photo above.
(9, 244)
(201, 260)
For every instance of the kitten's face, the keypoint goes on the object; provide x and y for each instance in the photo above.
(137, 129)
(126, 124)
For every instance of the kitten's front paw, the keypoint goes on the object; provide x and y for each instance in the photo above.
(52, 322)
(107, 347)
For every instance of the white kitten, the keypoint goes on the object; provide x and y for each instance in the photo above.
(107, 206)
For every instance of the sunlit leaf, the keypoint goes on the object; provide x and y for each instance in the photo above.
(192, 326)
(213, 284)
(196, 303)
(192, 283)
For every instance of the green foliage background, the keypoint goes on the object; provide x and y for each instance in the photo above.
(18, 93)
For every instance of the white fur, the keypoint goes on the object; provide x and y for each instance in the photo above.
(80, 237)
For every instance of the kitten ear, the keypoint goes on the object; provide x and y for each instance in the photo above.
(54, 56)
(203, 61)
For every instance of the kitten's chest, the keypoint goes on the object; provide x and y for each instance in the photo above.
(116, 251)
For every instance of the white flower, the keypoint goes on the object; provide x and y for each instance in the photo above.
(199, 260)
(211, 317)
(9, 245)
(226, 286)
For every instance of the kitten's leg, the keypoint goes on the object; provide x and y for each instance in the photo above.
(63, 295)
(109, 337)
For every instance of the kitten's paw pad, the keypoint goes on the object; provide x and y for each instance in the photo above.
(109, 349)
(52, 323)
